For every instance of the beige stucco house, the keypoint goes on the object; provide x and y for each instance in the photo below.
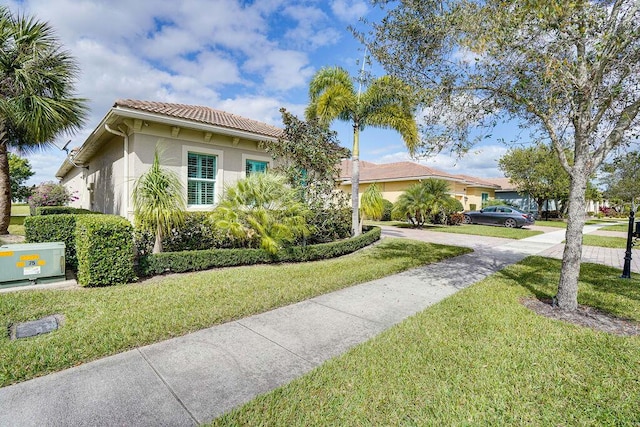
(394, 178)
(207, 148)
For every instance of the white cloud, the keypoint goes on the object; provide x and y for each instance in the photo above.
(481, 162)
(349, 10)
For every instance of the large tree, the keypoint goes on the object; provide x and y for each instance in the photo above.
(621, 178)
(19, 172)
(36, 94)
(386, 102)
(537, 171)
(567, 71)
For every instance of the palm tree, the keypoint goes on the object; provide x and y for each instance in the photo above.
(386, 103)
(158, 202)
(36, 94)
(428, 198)
(372, 205)
(263, 210)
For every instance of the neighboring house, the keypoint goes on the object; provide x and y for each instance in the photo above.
(512, 196)
(394, 178)
(207, 148)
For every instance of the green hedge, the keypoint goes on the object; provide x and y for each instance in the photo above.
(58, 210)
(178, 262)
(104, 245)
(54, 228)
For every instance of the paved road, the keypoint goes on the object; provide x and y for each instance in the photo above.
(197, 377)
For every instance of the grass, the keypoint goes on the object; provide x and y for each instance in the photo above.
(485, 230)
(477, 358)
(478, 230)
(557, 224)
(617, 227)
(104, 321)
(604, 241)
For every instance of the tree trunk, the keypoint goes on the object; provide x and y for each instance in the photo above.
(157, 246)
(355, 182)
(568, 286)
(5, 189)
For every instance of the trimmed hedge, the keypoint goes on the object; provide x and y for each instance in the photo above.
(104, 246)
(178, 262)
(58, 210)
(54, 228)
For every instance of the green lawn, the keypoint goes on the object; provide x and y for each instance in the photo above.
(484, 230)
(604, 241)
(104, 321)
(19, 209)
(557, 224)
(478, 358)
(478, 230)
(617, 227)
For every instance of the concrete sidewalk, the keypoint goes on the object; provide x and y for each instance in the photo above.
(197, 377)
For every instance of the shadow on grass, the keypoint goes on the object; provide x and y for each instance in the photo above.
(600, 286)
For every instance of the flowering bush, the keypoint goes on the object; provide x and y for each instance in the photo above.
(50, 194)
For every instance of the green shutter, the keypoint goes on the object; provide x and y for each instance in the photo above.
(201, 170)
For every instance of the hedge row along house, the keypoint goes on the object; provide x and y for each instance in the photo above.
(209, 149)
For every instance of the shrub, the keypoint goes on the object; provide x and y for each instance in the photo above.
(49, 194)
(54, 228)
(104, 246)
(57, 210)
(201, 260)
(386, 211)
(455, 219)
(196, 233)
(396, 214)
(329, 224)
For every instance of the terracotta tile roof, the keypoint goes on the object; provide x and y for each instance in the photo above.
(405, 171)
(504, 183)
(203, 115)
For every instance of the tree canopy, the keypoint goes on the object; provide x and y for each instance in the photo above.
(536, 170)
(386, 102)
(19, 172)
(37, 101)
(566, 71)
(621, 177)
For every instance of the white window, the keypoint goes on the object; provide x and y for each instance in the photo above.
(201, 179)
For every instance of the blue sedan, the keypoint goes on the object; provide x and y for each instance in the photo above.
(499, 215)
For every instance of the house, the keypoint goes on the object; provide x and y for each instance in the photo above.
(511, 195)
(207, 148)
(394, 178)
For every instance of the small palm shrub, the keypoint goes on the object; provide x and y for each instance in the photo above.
(428, 200)
(372, 204)
(262, 211)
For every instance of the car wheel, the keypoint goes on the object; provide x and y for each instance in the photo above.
(467, 219)
(510, 223)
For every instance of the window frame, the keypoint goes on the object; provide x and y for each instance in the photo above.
(257, 158)
(219, 175)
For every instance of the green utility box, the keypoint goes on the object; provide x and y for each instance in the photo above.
(30, 263)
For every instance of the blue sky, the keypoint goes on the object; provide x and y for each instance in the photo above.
(246, 57)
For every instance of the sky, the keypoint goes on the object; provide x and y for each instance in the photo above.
(246, 57)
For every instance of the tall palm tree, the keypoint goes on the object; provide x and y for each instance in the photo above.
(36, 94)
(158, 202)
(386, 103)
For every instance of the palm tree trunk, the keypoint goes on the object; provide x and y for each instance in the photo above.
(356, 227)
(157, 246)
(5, 186)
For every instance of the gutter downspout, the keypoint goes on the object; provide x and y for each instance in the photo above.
(125, 183)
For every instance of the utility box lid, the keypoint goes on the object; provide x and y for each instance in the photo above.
(23, 264)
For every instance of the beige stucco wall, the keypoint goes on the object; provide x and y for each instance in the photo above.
(392, 190)
(106, 169)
